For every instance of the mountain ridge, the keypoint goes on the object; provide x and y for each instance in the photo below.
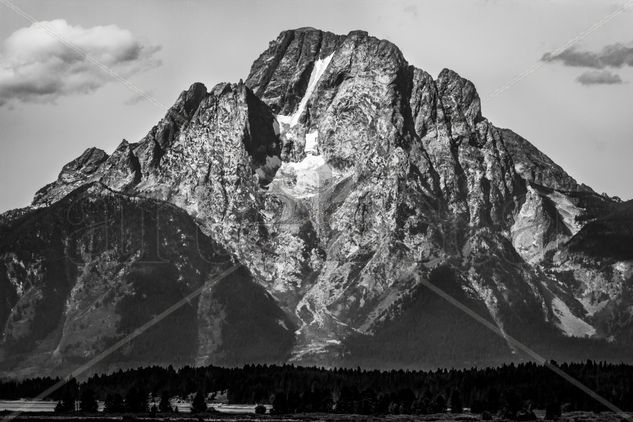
(343, 179)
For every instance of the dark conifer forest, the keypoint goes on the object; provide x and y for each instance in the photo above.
(291, 389)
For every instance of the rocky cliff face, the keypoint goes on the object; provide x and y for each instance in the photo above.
(344, 181)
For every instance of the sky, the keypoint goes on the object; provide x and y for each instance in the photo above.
(573, 103)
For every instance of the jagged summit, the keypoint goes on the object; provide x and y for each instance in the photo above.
(342, 179)
(74, 174)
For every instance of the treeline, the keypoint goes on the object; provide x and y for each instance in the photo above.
(509, 389)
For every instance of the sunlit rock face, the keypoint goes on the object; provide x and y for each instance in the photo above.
(85, 168)
(343, 181)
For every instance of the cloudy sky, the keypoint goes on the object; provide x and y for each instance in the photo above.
(574, 103)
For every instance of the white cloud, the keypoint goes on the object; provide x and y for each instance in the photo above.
(599, 77)
(614, 55)
(38, 67)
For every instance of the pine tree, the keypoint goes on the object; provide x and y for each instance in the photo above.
(136, 401)
(165, 405)
(114, 403)
(88, 401)
(456, 402)
(199, 405)
(67, 403)
(553, 410)
(59, 407)
(280, 404)
(439, 404)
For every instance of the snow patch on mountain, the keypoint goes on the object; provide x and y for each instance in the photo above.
(312, 143)
(319, 68)
(282, 120)
(570, 324)
(304, 178)
(317, 71)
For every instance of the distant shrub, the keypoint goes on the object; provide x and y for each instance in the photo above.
(199, 404)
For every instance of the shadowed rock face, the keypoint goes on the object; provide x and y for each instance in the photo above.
(90, 269)
(535, 167)
(344, 180)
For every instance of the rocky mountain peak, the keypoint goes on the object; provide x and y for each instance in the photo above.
(342, 179)
(81, 170)
(88, 162)
(460, 97)
(281, 73)
(280, 76)
(191, 98)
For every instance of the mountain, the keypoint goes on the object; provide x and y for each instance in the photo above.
(342, 183)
